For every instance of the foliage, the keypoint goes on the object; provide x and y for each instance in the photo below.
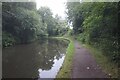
(20, 21)
(25, 23)
(96, 24)
(7, 39)
(104, 62)
(54, 25)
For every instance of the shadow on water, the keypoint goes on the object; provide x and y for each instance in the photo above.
(41, 59)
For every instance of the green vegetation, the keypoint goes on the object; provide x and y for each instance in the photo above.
(95, 24)
(8, 39)
(65, 71)
(20, 21)
(103, 61)
(23, 23)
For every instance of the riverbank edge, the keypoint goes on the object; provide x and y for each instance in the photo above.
(107, 66)
(66, 68)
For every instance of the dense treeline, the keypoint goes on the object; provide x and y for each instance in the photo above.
(23, 23)
(96, 24)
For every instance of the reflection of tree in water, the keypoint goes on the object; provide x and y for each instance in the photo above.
(25, 60)
(59, 48)
(50, 49)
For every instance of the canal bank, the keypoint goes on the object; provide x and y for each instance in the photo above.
(66, 69)
(82, 61)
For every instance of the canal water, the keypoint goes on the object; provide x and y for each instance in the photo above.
(40, 59)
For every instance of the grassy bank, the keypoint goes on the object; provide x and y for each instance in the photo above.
(65, 71)
(108, 67)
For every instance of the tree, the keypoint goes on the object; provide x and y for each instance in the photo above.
(54, 25)
(21, 20)
(96, 23)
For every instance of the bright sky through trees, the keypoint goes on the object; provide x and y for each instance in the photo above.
(57, 6)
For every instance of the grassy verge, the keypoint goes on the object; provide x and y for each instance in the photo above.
(108, 67)
(65, 71)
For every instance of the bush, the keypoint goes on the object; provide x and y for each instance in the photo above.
(7, 39)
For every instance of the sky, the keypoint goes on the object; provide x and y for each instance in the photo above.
(56, 6)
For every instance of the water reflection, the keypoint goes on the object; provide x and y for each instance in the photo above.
(53, 71)
(42, 58)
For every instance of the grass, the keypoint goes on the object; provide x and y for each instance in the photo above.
(108, 67)
(65, 71)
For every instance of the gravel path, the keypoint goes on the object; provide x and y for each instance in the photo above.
(84, 65)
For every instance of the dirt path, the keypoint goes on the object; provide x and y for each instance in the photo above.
(84, 65)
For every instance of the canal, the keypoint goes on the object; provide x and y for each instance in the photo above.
(40, 59)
